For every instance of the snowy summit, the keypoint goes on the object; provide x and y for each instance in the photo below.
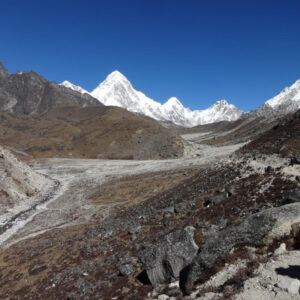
(116, 90)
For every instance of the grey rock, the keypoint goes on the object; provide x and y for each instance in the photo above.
(216, 199)
(169, 211)
(230, 190)
(29, 93)
(280, 250)
(258, 229)
(289, 285)
(164, 261)
(126, 269)
(134, 228)
(163, 297)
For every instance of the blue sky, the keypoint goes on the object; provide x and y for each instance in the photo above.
(199, 51)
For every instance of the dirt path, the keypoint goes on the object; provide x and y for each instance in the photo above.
(78, 177)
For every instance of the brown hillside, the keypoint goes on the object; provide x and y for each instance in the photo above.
(91, 132)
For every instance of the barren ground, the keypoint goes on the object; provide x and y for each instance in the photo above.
(78, 198)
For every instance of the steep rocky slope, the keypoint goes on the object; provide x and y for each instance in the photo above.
(19, 185)
(29, 93)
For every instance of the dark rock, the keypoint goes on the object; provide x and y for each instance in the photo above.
(236, 209)
(200, 224)
(246, 184)
(269, 169)
(37, 268)
(216, 199)
(164, 261)
(179, 208)
(292, 197)
(230, 190)
(134, 228)
(168, 212)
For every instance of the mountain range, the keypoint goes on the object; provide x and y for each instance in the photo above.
(30, 93)
(116, 90)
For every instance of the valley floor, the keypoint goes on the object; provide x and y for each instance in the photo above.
(79, 179)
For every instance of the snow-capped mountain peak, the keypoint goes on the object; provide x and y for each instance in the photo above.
(74, 87)
(289, 93)
(117, 90)
(287, 101)
(173, 101)
(222, 102)
(116, 75)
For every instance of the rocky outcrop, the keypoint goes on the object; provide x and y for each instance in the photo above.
(30, 93)
(259, 229)
(164, 261)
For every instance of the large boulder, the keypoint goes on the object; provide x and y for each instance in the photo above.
(165, 260)
(292, 197)
(259, 229)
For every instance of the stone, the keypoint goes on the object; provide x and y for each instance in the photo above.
(215, 200)
(289, 285)
(165, 260)
(280, 250)
(126, 269)
(163, 297)
(292, 197)
(134, 228)
(230, 190)
(261, 228)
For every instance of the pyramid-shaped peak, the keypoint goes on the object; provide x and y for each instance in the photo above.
(173, 101)
(116, 75)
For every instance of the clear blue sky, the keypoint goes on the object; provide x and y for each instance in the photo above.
(199, 51)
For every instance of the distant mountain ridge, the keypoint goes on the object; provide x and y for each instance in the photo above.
(29, 93)
(117, 90)
(287, 101)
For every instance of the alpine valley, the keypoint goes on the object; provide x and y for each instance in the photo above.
(111, 195)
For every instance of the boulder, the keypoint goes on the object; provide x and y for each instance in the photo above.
(292, 197)
(289, 285)
(216, 199)
(281, 249)
(259, 229)
(125, 269)
(165, 260)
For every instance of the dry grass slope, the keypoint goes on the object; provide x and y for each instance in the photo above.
(91, 132)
